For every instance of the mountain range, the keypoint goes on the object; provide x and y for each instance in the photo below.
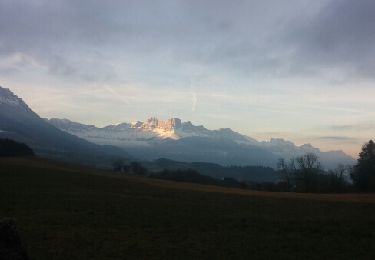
(150, 140)
(183, 141)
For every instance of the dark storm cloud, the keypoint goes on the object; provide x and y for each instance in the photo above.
(89, 39)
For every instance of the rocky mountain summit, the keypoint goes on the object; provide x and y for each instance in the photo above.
(184, 141)
(153, 129)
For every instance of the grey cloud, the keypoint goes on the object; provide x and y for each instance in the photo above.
(340, 36)
(265, 38)
(86, 70)
(338, 139)
(354, 127)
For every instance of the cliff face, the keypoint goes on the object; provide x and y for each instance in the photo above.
(168, 125)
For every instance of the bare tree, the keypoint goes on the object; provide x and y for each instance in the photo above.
(307, 169)
(339, 177)
(308, 162)
(305, 174)
(287, 172)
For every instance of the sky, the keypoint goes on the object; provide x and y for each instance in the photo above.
(298, 69)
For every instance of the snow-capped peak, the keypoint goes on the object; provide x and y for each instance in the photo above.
(150, 130)
(8, 98)
(152, 133)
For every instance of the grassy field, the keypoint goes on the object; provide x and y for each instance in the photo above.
(66, 212)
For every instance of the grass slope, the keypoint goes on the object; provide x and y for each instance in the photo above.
(68, 212)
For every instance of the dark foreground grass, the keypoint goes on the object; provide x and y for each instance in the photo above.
(72, 213)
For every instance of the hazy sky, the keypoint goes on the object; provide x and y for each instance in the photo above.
(302, 70)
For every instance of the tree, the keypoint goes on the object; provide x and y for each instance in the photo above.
(338, 178)
(118, 165)
(138, 169)
(363, 174)
(308, 167)
(308, 162)
(300, 173)
(287, 172)
(305, 174)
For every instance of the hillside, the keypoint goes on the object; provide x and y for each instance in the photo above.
(71, 212)
(20, 123)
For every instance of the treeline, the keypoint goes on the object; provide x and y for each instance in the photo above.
(300, 174)
(241, 173)
(135, 168)
(185, 175)
(9, 148)
(179, 175)
(305, 174)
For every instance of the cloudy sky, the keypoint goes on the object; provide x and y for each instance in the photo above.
(297, 69)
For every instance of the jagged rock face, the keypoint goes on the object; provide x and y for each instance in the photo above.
(173, 123)
(153, 122)
(7, 98)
